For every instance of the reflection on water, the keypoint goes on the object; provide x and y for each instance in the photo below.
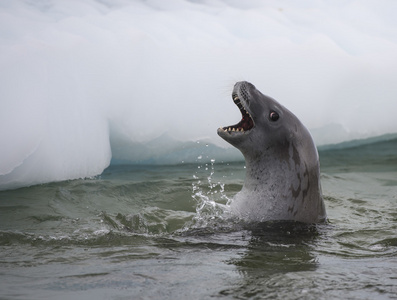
(274, 251)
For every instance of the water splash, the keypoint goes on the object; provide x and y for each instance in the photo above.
(212, 203)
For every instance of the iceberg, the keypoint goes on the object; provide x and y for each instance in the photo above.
(70, 70)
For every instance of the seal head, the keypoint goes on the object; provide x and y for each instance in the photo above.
(282, 165)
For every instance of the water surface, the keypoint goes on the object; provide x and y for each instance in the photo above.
(163, 232)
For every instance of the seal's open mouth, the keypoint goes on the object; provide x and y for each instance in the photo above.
(246, 122)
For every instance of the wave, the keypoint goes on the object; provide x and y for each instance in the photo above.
(375, 154)
(372, 142)
(165, 150)
(370, 154)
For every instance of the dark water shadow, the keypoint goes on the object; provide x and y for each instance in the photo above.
(275, 250)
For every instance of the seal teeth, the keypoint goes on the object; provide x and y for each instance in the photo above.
(232, 129)
(246, 123)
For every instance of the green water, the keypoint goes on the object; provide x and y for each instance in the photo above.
(163, 232)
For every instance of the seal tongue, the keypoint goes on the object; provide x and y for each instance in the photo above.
(246, 122)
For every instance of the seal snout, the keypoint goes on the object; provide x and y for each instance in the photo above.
(246, 123)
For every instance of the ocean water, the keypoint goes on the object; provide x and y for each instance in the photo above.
(164, 232)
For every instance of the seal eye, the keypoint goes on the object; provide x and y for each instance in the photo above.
(274, 116)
